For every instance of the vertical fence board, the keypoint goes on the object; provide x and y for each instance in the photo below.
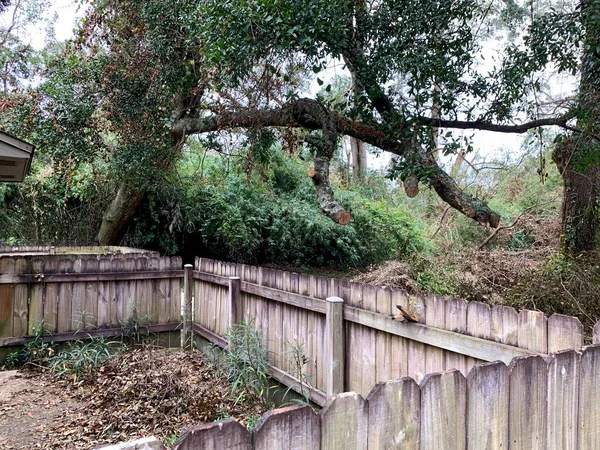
(368, 343)
(399, 345)
(589, 399)
(36, 306)
(128, 305)
(141, 293)
(353, 381)
(175, 291)
(527, 404)
(50, 298)
(383, 341)
(117, 316)
(288, 315)
(596, 337)
(104, 295)
(564, 333)
(7, 266)
(435, 316)
(226, 434)
(293, 428)
(487, 407)
(344, 423)
(90, 311)
(533, 331)
(416, 350)
(20, 301)
(394, 415)
(65, 298)
(444, 411)
(163, 298)
(456, 320)
(479, 324)
(505, 325)
(563, 400)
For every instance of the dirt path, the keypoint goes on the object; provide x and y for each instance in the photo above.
(29, 406)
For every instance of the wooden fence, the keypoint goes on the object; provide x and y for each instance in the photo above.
(532, 404)
(72, 296)
(547, 398)
(45, 250)
(291, 309)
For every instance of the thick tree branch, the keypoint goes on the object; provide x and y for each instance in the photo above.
(487, 126)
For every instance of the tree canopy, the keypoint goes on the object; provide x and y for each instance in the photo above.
(141, 78)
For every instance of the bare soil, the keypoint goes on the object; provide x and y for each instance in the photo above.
(141, 392)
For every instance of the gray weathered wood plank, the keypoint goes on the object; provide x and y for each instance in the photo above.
(563, 400)
(487, 407)
(295, 427)
(344, 423)
(444, 411)
(527, 404)
(394, 415)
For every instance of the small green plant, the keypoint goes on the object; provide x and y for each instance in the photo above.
(35, 352)
(245, 363)
(169, 440)
(252, 422)
(80, 358)
(298, 362)
(136, 327)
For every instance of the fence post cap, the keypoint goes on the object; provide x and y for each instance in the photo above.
(334, 300)
(188, 265)
(234, 278)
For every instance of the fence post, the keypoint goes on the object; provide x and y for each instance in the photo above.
(188, 284)
(234, 301)
(334, 346)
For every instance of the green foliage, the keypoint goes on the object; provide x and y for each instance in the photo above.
(245, 362)
(80, 358)
(274, 217)
(36, 351)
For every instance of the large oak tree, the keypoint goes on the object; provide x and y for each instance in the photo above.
(159, 72)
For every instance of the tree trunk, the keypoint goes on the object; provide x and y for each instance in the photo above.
(581, 188)
(118, 215)
(359, 159)
(577, 155)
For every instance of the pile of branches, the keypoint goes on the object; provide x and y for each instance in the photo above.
(147, 391)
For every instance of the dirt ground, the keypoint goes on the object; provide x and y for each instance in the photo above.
(29, 407)
(141, 392)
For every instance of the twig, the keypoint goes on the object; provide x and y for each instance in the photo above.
(441, 222)
(506, 227)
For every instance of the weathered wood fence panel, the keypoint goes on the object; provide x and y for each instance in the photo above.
(289, 310)
(68, 295)
(532, 404)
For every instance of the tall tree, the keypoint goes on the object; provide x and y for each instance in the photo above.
(164, 71)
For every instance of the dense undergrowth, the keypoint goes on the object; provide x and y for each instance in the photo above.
(260, 207)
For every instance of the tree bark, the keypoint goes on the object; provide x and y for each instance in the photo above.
(118, 215)
(359, 159)
(577, 156)
(579, 216)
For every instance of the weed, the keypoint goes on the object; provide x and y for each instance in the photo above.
(298, 362)
(80, 359)
(252, 422)
(245, 363)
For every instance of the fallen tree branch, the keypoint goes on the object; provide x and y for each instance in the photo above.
(506, 227)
